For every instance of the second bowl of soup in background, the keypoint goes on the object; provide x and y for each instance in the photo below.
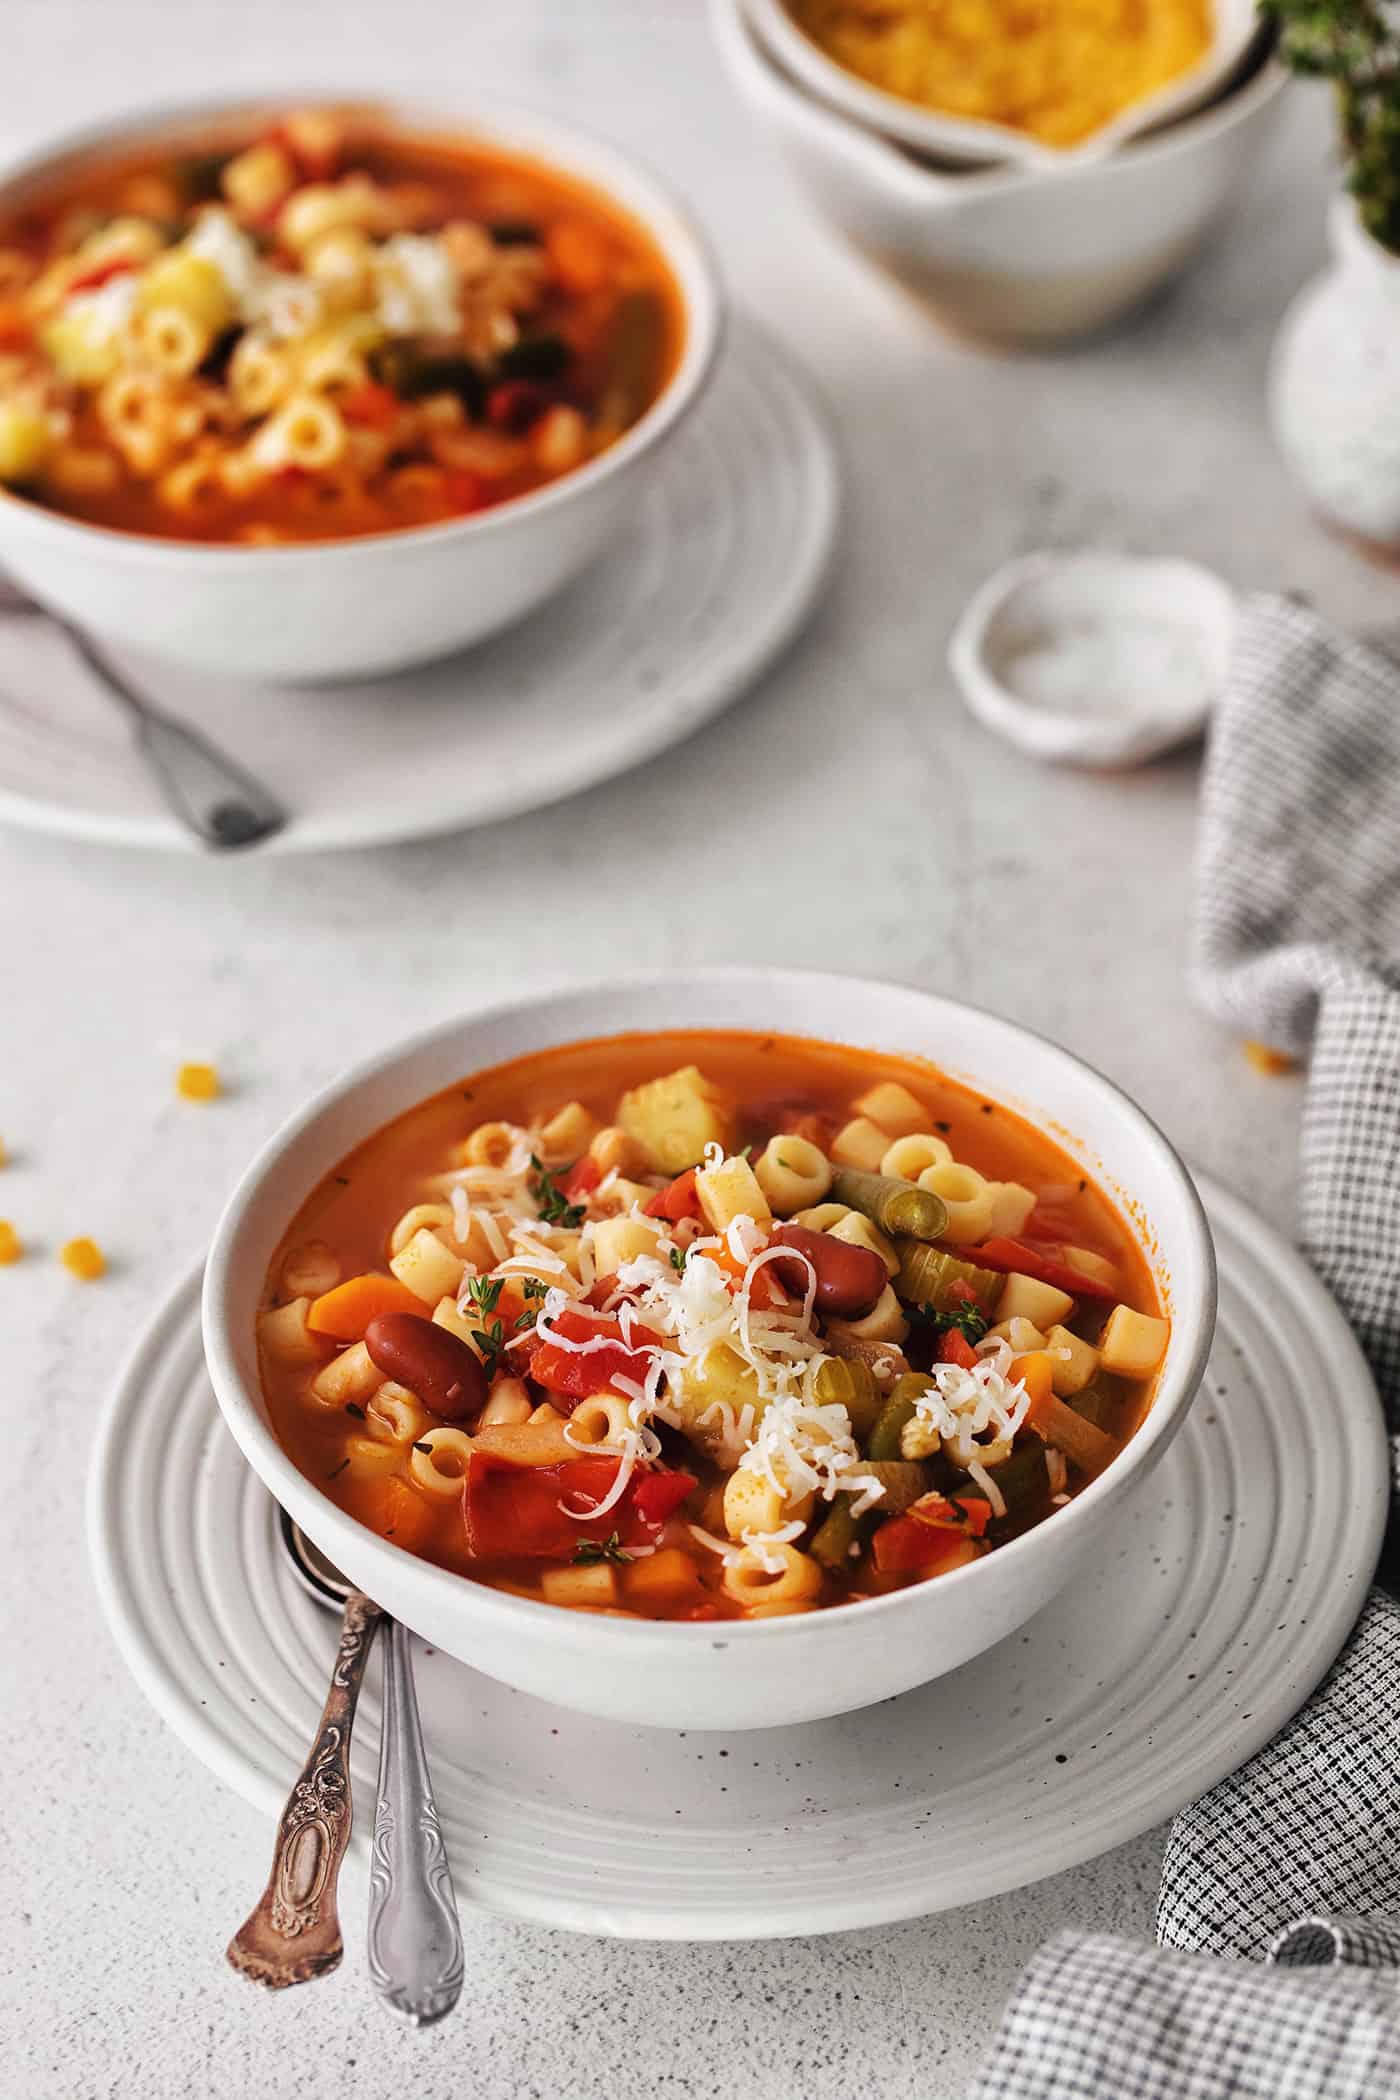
(327, 609)
(1012, 255)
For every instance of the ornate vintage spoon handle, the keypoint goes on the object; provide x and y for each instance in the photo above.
(294, 1934)
(415, 1938)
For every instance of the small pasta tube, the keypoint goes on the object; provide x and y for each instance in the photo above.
(567, 1135)
(508, 1405)
(859, 1231)
(894, 1108)
(601, 1419)
(286, 1337)
(825, 1217)
(592, 1586)
(256, 180)
(420, 1217)
(614, 1152)
(367, 1459)
(260, 375)
(860, 1143)
(172, 339)
(438, 1462)
(885, 1322)
(728, 1191)
(26, 442)
(193, 488)
(752, 1503)
(322, 207)
(351, 1376)
(909, 1157)
(559, 440)
(968, 1199)
(394, 1415)
(793, 1173)
(748, 1581)
(429, 1268)
(305, 431)
(81, 470)
(492, 1145)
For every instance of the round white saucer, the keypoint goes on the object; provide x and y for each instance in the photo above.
(1229, 1586)
(713, 578)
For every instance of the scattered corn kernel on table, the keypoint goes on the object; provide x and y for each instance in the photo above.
(926, 852)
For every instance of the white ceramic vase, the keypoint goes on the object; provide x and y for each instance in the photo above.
(1335, 386)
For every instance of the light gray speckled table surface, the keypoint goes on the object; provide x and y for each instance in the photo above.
(927, 853)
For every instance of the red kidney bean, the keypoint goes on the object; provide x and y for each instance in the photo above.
(850, 1279)
(431, 1361)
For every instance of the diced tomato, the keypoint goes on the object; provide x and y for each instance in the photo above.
(703, 1611)
(1026, 1260)
(809, 1123)
(574, 1374)
(657, 1496)
(582, 1178)
(677, 1200)
(513, 1511)
(101, 273)
(955, 1348)
(959, 1293)
(370, 404)
(904, 1546)
(465, 491)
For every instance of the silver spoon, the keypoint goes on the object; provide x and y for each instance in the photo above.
(213, 796)
(414, 1937)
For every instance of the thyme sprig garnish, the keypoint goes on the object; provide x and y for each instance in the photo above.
(591, 1553)
(550, 1198)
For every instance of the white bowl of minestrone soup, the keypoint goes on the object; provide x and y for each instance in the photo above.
(718, 1349)
(314, 393)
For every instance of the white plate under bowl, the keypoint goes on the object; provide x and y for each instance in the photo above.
(714, 577)
(1227, 1588)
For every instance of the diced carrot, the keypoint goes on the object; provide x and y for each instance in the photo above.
(369, 404)
(579, 254)
(1081, 1442)
(400, 1513)
(1035, 1371)
(677, 1200)
(1268, 1060)
(346, 1311)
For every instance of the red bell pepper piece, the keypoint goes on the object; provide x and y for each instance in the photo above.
(582, 1178)
(955, 1348)
(575, 1375)
(512, 1511)
(101, 273)
(903, 1545)
(677, 1200)
(1006, 1255)
(657, 1496)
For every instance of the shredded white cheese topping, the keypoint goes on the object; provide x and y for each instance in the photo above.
(976, 1411)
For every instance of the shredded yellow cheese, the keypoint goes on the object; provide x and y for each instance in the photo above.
(11, 1245)
(83, 1258)
(197, 1082)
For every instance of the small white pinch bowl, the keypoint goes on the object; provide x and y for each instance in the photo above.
(941, 135)
(1009, 254)
(1094, 659)
(357, 608)
(724, 1675)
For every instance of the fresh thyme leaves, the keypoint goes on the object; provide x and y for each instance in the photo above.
(484, 1293)
(590, 1553)
(678, 1259)
(491, 1340)
(338, 1469)
(969, 1319)
(352, 1407)
(535, 1287)
(553, 1208)
(417, 1447)
(526, 1318)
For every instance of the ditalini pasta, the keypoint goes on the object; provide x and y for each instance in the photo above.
(328, 329)
(677, 1327)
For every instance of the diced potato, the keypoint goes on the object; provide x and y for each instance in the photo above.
(668, 1576)
(1025, 1297)
(1023, 1335)
(256, 180)
(1075, 1361)
(825, 1217)
(720, 1375)
(894, 1108)
(674, 1118)
(858, 1231)
(590, 1585)
(286, 1336)
(619, 1240)
(1096, 1266)
(1132, 1343)
(623, 1194)
(353, 1375)
(729, 1191)
(567, 1134)
(26, 440)
(860, 1143)
(428, 1267)
(1011, 1207)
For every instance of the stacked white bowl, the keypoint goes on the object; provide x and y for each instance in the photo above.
(1002, 239)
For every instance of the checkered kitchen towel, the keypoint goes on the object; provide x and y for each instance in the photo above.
(1280, 1899)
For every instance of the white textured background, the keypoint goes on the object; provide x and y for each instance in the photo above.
(926, 853)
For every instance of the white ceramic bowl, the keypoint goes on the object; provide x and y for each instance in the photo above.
(355, 608)
(1011, 255)
(723, 1675)
(936, 133)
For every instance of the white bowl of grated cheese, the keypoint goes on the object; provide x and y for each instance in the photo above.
(725, 1674)
(327, 609)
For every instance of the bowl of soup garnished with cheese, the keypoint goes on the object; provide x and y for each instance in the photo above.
(317, 390)
(606, 1358)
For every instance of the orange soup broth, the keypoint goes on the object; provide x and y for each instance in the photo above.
(354, 1209)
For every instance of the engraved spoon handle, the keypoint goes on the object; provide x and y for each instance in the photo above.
(294, 1933)
(415, 1937)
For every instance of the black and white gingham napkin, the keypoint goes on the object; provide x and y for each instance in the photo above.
(1280, 1901)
